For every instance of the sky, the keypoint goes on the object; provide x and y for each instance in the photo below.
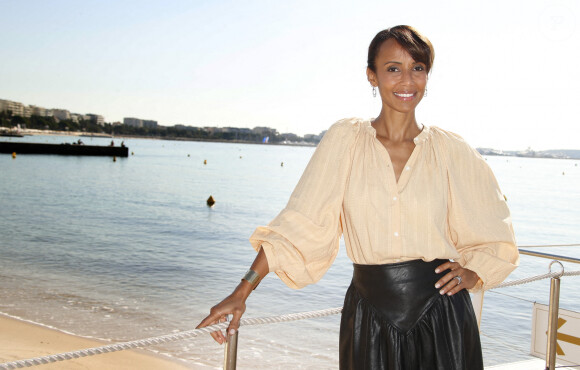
(506, 73)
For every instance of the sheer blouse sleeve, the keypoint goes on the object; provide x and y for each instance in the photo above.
(301, 243)
(479, 220)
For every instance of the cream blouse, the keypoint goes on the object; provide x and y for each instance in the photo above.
(446, 204)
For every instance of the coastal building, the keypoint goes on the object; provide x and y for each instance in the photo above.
(61, 114)
(149, 123)
(26, 111)
(137, 122)
(265, 131)
(96, 118)
(289, 137)
(77, 117)
(17, 109)
(133, 122)
(40, 111)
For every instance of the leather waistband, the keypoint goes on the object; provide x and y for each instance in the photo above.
(400, 292)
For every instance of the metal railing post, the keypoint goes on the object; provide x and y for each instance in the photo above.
(553, 318)
(231, 351)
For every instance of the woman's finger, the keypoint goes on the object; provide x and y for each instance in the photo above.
(461, 279)
(445, 266)
(218, 336)
(234, 324)
(454, 285)
(211, 319)
(453, 266)
(451, 280)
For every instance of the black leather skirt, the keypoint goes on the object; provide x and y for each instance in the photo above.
(394, 318)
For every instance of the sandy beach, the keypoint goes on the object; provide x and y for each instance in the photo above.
(22, 340)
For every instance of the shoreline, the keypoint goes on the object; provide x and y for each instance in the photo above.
(33, 132)
(20, 340)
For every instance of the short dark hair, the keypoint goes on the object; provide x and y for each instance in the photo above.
(417, 45)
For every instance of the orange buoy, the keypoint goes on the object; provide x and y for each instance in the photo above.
(205, 161)
(13, 154)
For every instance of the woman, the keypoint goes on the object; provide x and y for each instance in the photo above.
(422, 217)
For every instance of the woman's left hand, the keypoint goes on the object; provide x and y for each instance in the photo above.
(456, 279)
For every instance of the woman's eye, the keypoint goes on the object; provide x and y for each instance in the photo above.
(419, 68)
(392, 69)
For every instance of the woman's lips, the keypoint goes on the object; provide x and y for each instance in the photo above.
(405, 96)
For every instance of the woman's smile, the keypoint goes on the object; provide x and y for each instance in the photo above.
(405, 96)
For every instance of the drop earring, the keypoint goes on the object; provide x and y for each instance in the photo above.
(425, 94)
(374, 91)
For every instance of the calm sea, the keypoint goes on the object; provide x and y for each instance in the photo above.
(127, 249)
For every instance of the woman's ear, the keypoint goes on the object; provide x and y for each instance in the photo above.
(372, 77)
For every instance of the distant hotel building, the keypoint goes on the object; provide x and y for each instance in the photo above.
(137, 122)
(40, 111)
(19, 109)
(98, 119)
(61, 114)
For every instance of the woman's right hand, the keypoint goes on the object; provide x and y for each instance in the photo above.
(234, 304)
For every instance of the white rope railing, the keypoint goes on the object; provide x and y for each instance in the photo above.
(535, 278)
(208, 329)
(164, 338)
(548, 245)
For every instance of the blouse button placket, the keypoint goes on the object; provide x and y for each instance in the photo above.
(396, 225)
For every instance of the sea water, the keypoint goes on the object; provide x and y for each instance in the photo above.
(128, 249)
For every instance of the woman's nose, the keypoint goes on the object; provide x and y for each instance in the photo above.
(407, 77)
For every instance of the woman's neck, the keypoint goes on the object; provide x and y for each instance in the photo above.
(396, 126)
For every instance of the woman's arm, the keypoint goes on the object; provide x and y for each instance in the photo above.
(479, 221)
(235, 303)
(301, 243)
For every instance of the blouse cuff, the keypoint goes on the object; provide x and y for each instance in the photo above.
(270, 255)
(490, 269)
(273, 263)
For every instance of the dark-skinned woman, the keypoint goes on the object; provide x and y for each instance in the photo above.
(423, 220)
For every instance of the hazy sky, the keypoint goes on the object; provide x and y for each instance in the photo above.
(506, 73)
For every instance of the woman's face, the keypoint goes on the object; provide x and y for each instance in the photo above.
(400, 80)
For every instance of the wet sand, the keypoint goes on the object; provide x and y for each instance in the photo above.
(21, 340)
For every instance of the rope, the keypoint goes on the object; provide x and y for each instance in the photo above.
(164, 338)
(535, 278)
(548, 245)
(208, 329)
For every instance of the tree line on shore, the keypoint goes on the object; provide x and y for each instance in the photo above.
(166, 132)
